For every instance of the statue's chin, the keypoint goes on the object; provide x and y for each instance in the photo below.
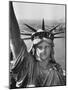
(43, 57)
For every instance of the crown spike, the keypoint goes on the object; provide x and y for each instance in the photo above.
(26, 34)
(57, 33)
(26, 38)
(29, 31)
(54, 28)
(43, 25)
(58, 37)
(34, 30)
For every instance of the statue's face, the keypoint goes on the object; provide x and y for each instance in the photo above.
(43, 50)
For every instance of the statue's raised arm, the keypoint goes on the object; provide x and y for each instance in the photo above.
(16, 43)
(22, 64)
(15, 39)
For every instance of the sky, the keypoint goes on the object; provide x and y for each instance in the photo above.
(38, 11)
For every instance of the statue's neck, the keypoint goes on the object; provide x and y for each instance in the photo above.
(44, 63)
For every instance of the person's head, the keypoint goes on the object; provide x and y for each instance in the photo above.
(44, 50)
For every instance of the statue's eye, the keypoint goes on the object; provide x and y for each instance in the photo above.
(46, 47)
(40, 47)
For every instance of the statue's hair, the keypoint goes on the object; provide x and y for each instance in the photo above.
(52, 54)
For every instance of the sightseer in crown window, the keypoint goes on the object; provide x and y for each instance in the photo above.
(38, 67)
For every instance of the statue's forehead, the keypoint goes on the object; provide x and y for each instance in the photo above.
(43, 43)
